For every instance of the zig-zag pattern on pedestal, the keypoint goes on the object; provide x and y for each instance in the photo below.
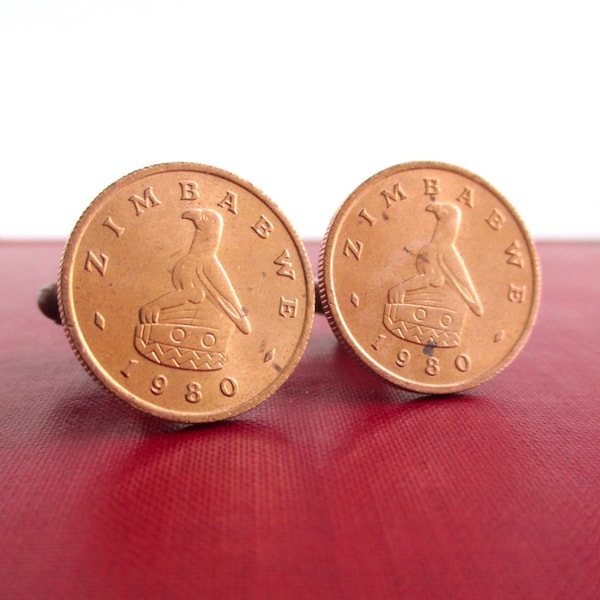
(426, 336)
(181, 358)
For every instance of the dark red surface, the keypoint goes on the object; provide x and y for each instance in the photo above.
(339, 486)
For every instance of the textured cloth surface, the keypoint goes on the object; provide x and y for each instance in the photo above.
(339, 486)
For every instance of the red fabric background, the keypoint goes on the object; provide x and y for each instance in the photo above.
(339, 486)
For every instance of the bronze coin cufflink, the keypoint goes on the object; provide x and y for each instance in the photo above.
(428, 276)
(186, 292)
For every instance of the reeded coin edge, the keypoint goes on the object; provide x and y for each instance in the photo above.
(79, 345)
(337, 322)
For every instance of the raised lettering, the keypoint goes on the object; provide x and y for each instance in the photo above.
(466, 196)
(432, 366)
(229, 202)
(126, 371)
(285, 264)
(516, 294)
(396, 195)
(193, 392)
(263, 227)
(432, 186)
(148, 201)
(462, 362)
(189, 190)
(515, 256)
(228, 387)
(352, 248)
(93, 262)
(367, 217)
(495, 220)
(403, 358)
(158, 385)
(118, 231)
(288, 308)
(376, 345)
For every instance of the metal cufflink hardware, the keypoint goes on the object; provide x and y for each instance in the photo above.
(186, 292)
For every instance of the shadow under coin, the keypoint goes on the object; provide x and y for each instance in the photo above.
(95, 411)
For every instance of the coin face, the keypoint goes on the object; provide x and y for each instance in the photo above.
(186, 292)
(429, 277)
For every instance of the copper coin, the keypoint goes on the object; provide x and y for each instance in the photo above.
(429, 277)
(186, 292)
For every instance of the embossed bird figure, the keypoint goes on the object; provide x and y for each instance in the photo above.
(200, 274)
(439, 263)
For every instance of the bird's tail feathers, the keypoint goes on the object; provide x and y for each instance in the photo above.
(230, 306)
(470, 297)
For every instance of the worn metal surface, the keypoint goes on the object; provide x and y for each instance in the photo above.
(429, 277)
(186, 292)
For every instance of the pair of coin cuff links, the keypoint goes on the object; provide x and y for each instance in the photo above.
(187, 293)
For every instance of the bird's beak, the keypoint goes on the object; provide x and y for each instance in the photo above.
(191, 214)
(432, 207)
